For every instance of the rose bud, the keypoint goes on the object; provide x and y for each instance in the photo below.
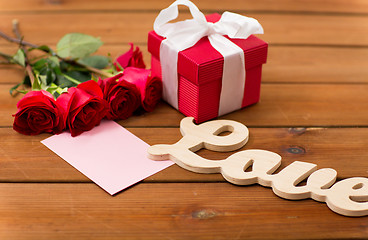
(123, 97)
(84, 106)
(130, 59)
(38, 112)
(149, 87)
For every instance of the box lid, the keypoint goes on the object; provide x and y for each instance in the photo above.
(202, 63)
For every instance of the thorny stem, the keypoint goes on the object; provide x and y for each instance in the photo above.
(6, 56)
(15, 40)
(30, 73)
(23, 43)
(19, 36)
(16, 29)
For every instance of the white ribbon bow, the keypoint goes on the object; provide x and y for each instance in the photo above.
(185, 34)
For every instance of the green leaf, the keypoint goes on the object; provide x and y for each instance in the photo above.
(63, 81)
(50, 76)
(14, 88)
(39, 65)
(43, 80)
(27, 81)
(95, 61)
(20, 58)
(55, 64)
(51, 89)
(43, 48)
(54, 60)
(94, 78)
(36, 84)
(77, 45)
(72, 78)
(80, 76)
(47, 69)
(55, 90)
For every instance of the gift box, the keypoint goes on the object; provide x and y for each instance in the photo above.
(200, 70)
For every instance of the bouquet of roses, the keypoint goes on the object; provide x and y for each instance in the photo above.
(71, 89)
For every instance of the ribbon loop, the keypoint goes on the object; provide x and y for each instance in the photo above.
(238, 26)
(185, 34)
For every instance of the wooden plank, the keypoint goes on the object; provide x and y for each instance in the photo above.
(327, 91)
(160, 211)
(287, 105)
(133, 27)
(25, 159)
(338, 6)
(285, 64)
(293, 64)
(8, 105)
(280, 105)
(11, 74)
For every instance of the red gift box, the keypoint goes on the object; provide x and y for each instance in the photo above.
(200, 73)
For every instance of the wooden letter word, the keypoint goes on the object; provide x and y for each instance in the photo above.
(347, 197)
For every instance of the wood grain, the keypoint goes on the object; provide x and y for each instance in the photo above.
(340, 148)
(263, 163)
(280, 105)
(133, 27)
(315, 82)
(160, 211)
(285, 64)
(288, 105)
(337, 6)
(295, 64)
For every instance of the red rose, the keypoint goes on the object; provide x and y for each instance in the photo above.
(38, 112)
(149, 87)
(123, 97)
(84, 107)
(130, 59)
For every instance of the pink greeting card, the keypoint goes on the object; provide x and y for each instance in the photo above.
(108, 154)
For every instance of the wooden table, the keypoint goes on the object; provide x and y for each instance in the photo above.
(313, 108)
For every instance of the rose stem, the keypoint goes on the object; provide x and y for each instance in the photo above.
(24, 43)
(7, 57)
(19, 36)
(15, 40)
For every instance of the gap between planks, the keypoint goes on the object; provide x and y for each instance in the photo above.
(205, 11)
(288, 6)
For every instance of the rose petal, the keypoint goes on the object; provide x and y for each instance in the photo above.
(92, 88)
(123, 97)
(104, 84)
(138, 77)
(153, 94)
(137, 59)
(125, 58)
(88, 117)
(130, 59)
(150, 88)
(84, 107)
(38, 112)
